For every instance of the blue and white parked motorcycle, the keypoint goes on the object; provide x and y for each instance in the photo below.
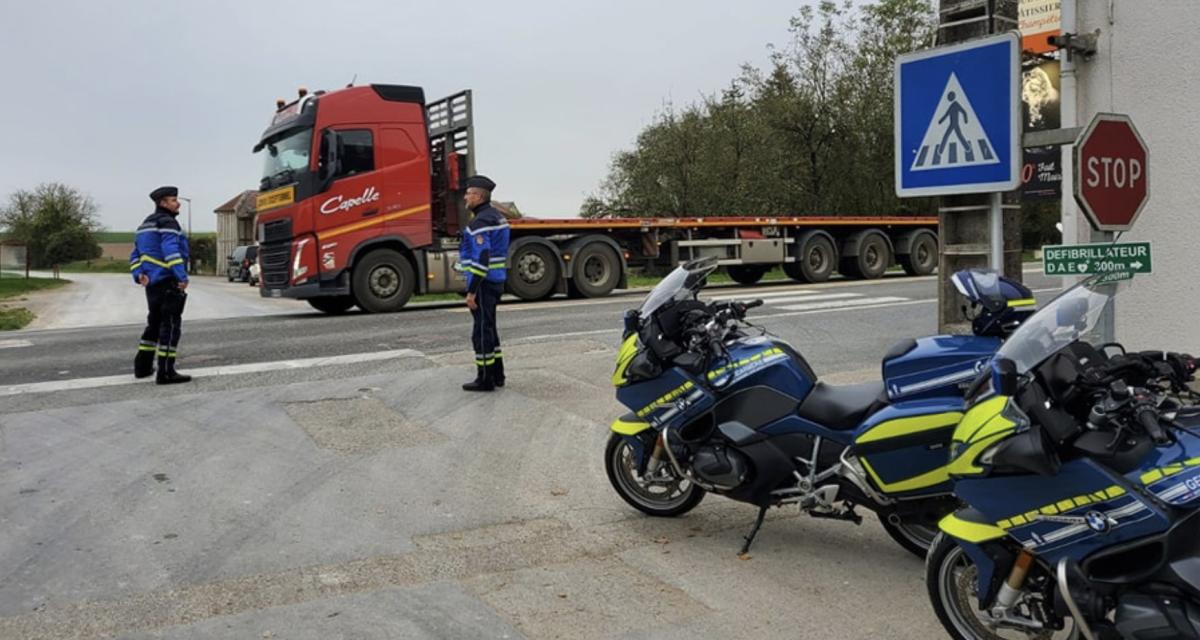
(716, 409)
(1080, 471)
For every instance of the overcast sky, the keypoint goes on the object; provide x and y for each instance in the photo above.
(117, 98)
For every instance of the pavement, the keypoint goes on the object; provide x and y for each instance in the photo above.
(107, 299)
(324, 477)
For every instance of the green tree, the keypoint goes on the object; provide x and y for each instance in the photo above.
(811, 134)
(57, 223)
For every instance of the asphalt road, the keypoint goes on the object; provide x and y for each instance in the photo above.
(325, 477)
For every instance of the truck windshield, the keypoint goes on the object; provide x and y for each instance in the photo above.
(284, 156)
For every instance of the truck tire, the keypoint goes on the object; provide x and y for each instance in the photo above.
(922, 256)
(815, 262)
(382, 281)
(745, 274)
(533, 272)
(333, 305)
(597, 270)
(873, 259)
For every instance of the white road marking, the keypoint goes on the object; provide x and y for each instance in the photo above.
(14, 344)
(751, 294)
(569, 334)
(824, 296)
(207, 372)
(841, 304)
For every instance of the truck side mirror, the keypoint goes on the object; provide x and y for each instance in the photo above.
(331, 157)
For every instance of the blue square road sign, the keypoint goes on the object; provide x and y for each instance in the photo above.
(958, 118)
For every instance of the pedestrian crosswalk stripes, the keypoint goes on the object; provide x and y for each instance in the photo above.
(840, 304)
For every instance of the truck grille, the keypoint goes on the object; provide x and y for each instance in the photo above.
(273, 261)
(277, 231)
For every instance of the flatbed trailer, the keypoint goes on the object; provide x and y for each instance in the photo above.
(361, 204)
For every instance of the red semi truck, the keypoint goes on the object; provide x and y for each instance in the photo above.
(361, 203)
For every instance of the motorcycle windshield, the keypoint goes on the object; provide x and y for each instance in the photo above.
(1075, 314)
(680, 284)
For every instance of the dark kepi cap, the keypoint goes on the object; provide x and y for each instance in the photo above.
(481, 182)
(163, 192)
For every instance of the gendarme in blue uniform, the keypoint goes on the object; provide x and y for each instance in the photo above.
(160, 256)
(482, 255)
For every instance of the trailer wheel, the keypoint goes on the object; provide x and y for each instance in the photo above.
(745, 274)
(382, 281)
(333, 305)
(533, 272)
(597, 270)
(873, 259)
(815, 261)
(922, 256)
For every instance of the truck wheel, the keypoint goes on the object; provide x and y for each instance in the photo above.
(873, 259)
(744, 274)
(597, 270)
(382, 281)
(922, 257)
(533, 272)
(333, 305)
(815, 261)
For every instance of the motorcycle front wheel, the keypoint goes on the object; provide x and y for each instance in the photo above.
(665, 495)
(950, 576)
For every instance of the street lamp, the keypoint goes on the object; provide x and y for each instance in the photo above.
(189, 233)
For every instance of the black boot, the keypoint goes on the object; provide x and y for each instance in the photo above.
(498, 372)
(481, 382)
(143, 363)
(167, 373)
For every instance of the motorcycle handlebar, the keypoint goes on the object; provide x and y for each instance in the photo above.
(1148, 418)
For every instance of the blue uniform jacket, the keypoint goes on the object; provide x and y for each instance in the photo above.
(160, 249)
(484, 249)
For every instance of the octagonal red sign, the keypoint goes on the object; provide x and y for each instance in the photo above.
(1112, 177)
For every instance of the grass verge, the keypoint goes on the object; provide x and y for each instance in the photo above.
(99, 265)
(13, 317)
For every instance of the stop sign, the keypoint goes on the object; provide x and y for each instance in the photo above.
(1112, 179)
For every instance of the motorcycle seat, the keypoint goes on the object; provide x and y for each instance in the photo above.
(842, 407)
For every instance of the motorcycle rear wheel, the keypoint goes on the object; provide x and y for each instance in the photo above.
(916, 538)
(657, 499)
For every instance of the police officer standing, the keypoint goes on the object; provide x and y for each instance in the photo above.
(160, 252)
(483, 255)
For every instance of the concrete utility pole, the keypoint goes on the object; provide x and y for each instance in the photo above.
(977, 230)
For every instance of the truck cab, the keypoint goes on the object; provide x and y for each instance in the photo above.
(359, 198)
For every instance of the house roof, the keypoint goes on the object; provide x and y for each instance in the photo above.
(243, 204)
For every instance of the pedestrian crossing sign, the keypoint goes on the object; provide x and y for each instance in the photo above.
(958, 118)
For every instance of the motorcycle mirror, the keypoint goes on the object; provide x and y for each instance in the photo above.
(1004, 377)
(1028, 451)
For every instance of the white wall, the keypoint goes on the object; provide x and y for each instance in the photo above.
(1148, 66)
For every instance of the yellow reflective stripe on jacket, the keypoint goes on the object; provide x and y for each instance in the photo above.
(1023, 302)
(968, 531)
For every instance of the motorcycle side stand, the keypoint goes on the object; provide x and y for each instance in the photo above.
(758, 522)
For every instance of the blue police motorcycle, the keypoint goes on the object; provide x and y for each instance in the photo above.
(1079, 466)
(716, 409)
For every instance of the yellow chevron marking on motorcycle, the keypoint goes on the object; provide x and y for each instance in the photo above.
(1062, 506)
(927, 479)
(908, 426)
(670, 396)
(629, 427)
(624, 357)
(666, 399)
(977, 417)
(1154, 475)
(969, 531)
(769, 353)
